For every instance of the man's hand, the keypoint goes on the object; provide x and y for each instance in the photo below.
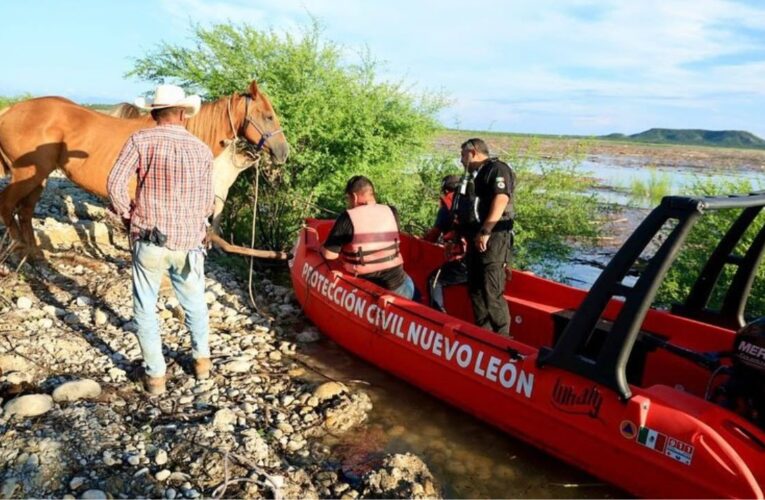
(482, 242)
(115, 220)
(207, 242)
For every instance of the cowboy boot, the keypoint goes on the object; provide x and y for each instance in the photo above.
(154, 385)
(202, 368)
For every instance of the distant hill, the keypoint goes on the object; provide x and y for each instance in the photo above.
(719, 138)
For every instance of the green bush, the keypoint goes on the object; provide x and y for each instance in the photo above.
(553, 209)
(339, 119)
(703, 238)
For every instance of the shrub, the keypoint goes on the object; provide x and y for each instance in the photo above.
(702, 240)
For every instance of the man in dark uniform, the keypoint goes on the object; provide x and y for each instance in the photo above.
(485, 217)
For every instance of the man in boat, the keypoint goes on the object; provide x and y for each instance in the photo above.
(365, 238)
(168, 224)
(485, 219)
(454, 271)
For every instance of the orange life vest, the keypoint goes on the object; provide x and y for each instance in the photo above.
(454, 244)
(375, 244)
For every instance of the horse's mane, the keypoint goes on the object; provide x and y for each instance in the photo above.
(213, 120)
(125, 110)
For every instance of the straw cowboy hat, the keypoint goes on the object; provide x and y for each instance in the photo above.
(171, 96)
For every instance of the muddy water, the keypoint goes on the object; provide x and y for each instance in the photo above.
(468, 458)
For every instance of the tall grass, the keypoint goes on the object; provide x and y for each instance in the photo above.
(653, 189)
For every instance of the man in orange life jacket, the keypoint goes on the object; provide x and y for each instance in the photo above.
(366, 239)
(454, 271)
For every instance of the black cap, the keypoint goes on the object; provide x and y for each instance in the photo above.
(450, 183)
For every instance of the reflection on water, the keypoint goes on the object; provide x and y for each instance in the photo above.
(619, 180)
(468, 458)
(681, 178)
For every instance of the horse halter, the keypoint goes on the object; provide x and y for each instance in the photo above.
(264, 136)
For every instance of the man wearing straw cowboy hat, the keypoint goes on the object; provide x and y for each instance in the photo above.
(168, 224)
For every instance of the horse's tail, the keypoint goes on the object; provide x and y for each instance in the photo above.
(5, 163)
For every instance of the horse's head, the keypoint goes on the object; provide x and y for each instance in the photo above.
(260, 125)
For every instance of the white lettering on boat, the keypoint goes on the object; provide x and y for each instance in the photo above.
(506, 373)
(752, 349)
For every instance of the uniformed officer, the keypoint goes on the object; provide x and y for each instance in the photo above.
(485, 217)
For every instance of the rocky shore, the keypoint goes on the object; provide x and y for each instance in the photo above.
(75, 423)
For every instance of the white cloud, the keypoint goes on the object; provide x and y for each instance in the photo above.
(543, 55)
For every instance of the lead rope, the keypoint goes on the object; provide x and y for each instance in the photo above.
(256, 161)
(252, 240)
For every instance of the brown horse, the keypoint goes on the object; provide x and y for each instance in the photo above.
(40, 135)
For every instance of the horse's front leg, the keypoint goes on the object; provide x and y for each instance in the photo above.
(25, 213)
(8, 204)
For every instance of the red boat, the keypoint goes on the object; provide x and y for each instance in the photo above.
(598, 378)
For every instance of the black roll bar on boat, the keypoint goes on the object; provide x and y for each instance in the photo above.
(609, 365)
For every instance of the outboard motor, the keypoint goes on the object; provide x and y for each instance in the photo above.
(744, 392)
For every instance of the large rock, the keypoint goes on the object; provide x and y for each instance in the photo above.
(24, 303)
(347, 412)
(400, 476)
(18, 378)
(14, 363)
(56, 235)
(76, 390)
(224, 419)
(30, 405)
(329, 390)
(256, 447)
(237, 366)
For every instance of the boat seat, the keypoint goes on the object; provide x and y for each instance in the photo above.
(636, 363)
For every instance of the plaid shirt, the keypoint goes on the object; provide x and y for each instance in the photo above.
(175, 191)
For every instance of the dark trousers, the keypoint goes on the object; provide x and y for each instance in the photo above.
(486, 282)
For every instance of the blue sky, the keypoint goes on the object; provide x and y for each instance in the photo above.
(542, 66)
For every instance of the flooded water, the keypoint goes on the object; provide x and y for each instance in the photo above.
(615, 182)
(468, 458)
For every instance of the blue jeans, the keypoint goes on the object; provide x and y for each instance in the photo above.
(406, 289)
(187, 275)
